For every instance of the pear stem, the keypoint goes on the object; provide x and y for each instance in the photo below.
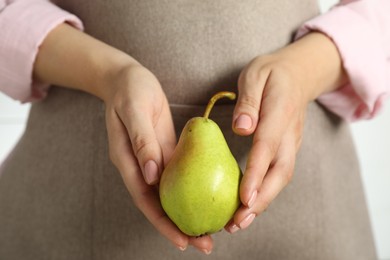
(219, 95)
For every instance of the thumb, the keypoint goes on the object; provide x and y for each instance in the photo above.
(165, 132)
(247, 109)
(145, 145)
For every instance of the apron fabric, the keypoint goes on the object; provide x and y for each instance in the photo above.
(61, 197)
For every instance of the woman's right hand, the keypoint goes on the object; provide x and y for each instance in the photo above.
(139, 123)
(141, 140)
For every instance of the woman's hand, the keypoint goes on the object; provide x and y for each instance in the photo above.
(139, 124)
(274, 91)
(142, 139)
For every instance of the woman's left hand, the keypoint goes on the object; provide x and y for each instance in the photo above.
(274, 91)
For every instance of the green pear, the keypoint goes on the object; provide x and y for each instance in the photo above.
(199, 188)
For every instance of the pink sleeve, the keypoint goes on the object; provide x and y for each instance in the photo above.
(24, 25)
(361, 32)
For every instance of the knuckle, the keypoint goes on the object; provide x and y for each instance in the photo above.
(267, 146)
(250, 102)
(131, 107)
(256, 177)
(251, 166)
(264, 202)
(289, 108)
(286, 170)
(128, 108)
(140, 144)
(249, 76)
(289, 174)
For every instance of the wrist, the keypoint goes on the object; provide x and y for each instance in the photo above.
(316, 61)
(73, 59)
(110, 74)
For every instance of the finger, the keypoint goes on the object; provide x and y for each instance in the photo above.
(276, 179)
(275, 116)
(146, 148)
(250, 88)
(145, 197)
(204, 243)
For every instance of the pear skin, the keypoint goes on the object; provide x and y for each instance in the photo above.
(199, 188)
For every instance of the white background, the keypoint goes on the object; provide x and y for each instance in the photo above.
(372, 141)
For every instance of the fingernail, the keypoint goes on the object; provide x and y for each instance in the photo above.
(151, 172)
(251, 201)
(207, 252)
(234, 228)
(247, 221)
(244, 122)
(182, 248)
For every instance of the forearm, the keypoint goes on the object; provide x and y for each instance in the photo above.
(317, 61)
(71, 58)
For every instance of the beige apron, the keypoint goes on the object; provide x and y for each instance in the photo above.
(61, 198)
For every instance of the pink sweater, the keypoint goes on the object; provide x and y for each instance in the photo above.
(360, 30)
